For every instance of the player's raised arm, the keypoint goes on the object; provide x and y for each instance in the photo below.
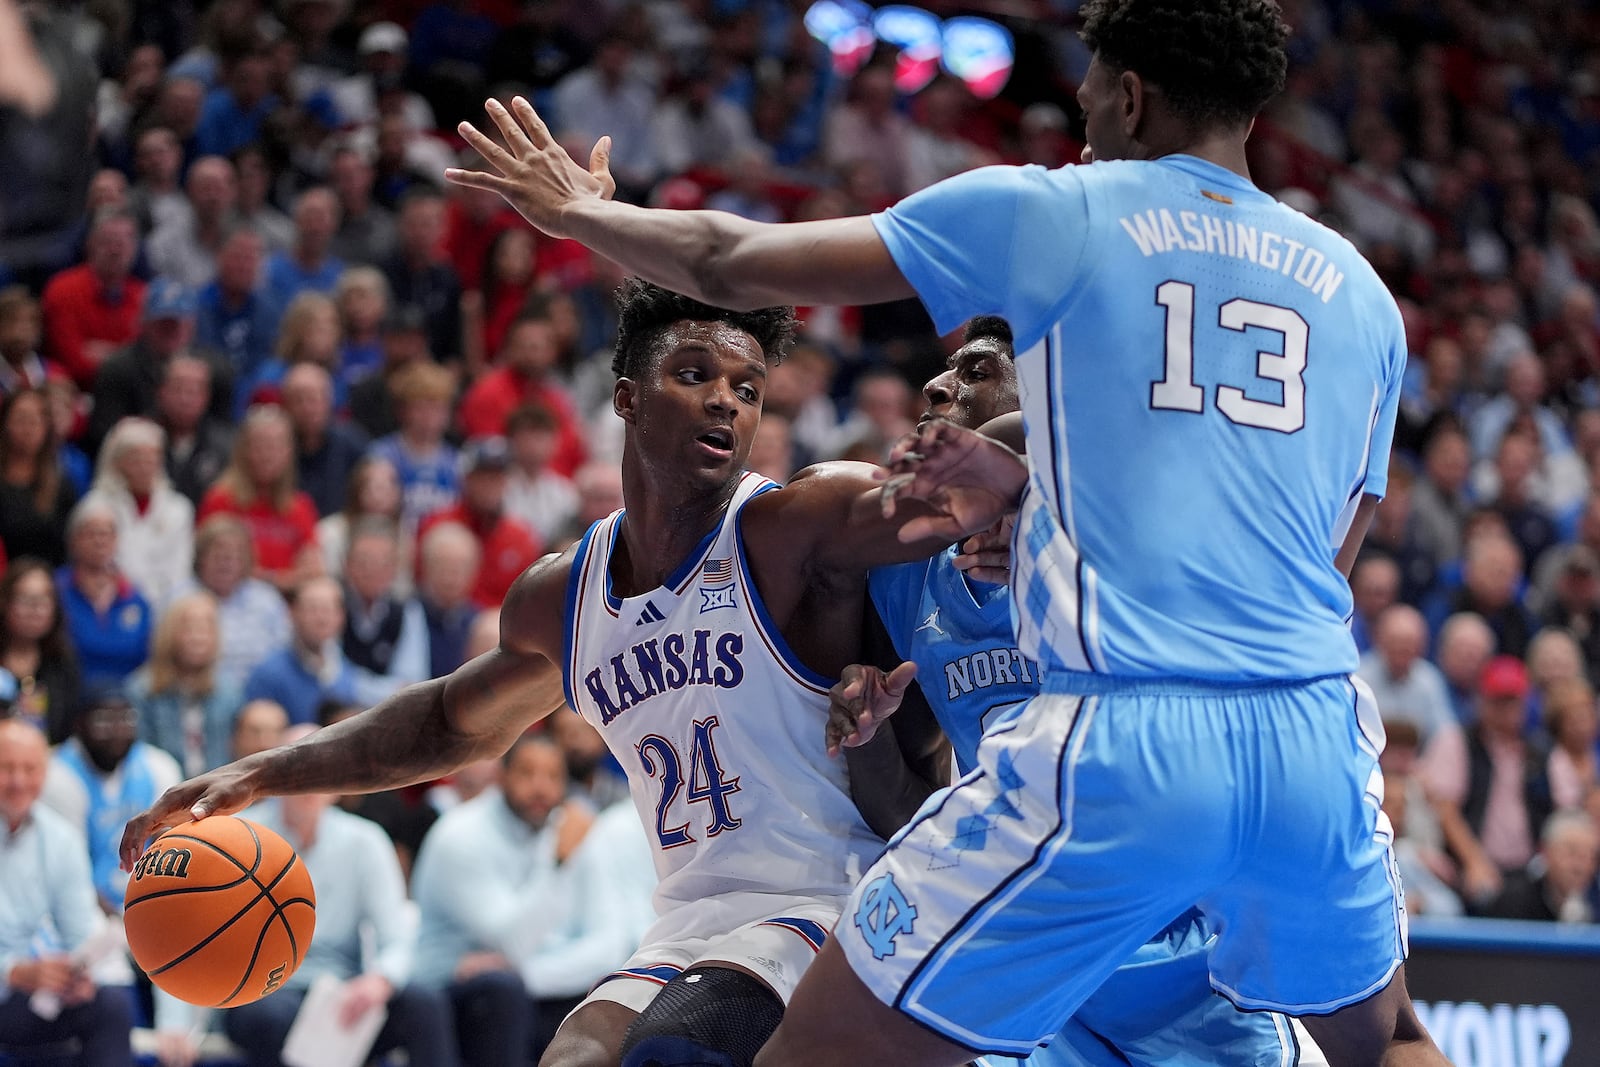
(712, 256)
(422, 732)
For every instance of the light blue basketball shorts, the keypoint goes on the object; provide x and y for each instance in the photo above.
(1096, 816)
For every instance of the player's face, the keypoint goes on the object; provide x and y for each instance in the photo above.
(980, 384)
(696, 411)
(1103, 104)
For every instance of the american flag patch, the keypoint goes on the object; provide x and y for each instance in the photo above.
(719, 570)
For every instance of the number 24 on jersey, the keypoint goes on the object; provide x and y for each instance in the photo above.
(707, 783)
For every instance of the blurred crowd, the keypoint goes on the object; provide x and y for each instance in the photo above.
(282, 416)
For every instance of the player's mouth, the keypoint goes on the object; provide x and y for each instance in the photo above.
(716, 442)
(929, 415)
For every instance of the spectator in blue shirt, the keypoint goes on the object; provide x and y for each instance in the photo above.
(232, 115)
(47, 909)
(308, 263)
(311, 668)
(108, 620)
(234, 316)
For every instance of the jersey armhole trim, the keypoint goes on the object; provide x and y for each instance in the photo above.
(575, 584)
(758, 610)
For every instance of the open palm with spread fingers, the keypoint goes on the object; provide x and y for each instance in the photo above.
(969, 480)
(532, 171)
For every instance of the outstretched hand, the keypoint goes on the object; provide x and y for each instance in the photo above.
(219, 792)
(969, 480)
(533, 172)
(860, 702)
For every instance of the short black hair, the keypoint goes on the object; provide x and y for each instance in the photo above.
(988, 328)
(1218, 62)
(645, 311)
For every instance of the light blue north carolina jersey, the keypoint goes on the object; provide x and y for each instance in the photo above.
(1210, 381)
(960, 637)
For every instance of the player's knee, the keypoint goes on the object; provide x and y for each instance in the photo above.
(706, 1017)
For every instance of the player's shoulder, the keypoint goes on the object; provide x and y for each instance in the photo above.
(813, 492)
(531, 614)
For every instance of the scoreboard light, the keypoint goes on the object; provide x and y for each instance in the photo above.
(977, 50)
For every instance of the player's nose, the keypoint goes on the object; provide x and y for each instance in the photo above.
(940, 390)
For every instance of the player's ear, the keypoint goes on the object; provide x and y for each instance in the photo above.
(625, 399)
(1132, 90)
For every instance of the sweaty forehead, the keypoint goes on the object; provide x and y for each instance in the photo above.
(980, 348)
(720, 338)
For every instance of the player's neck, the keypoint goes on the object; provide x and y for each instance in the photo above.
(659, 531)
(1168, 136)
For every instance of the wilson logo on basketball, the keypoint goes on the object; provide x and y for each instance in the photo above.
(275, 978)
(165, 862)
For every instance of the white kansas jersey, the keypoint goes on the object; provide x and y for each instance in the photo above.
(720, 729)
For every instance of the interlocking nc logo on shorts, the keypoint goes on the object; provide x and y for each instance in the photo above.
(884, 914)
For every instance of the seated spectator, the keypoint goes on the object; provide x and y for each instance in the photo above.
(542, 499)
(1523, 397)
(1530, 523)
(1394, 533)
(1374, 588)
(449, 557)
(258, 486)
(256, 180)
(251, 613)
(489, 879)
(47, 894)
(883, 413)
(772, 449)
(155, 523)
(1442, 497)
(1569, 848)
(35, 496)
(21, 332)
(1553, 657)
(405, 341)
(594, 772)
(311, 668)
(868, 127)
(404, 814)
(508, 284)
(1490, 785)
(522, 375)
(130, 379)
(93, 309)
(309, 333)
(1574, 603)
(234, 316)
(935, 147)
(383, 51)
(1465, 644)
(367, 233)
(420, 276)
(373, 491)
(67, 418)
(258, 726)
(108, 620)
(695, 127)
(1570, 719)
(428, 467)
(198, 443)
(361, 898)
(185, 249)
(385, 635)
(1426, 893)
(363, 299)
(599, 487)
(1406, 686)
(1491, 585)
(610, 96)
(35, 651)
(103, 776)
(233, 113)
(184, 709)
(309, 264)
(1419, 845)
(508, 546)
(326, 449)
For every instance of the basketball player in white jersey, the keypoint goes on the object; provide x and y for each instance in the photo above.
(699, 630)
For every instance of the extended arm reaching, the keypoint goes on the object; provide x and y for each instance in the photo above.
(712, 256)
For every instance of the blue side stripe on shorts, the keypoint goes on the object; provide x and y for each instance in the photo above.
(662, 973)
(812, 932)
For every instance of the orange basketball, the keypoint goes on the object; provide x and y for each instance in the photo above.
(219, 912)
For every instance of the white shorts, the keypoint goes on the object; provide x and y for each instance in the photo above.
(778, 949)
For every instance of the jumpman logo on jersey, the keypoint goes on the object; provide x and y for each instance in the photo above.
(650, 614)
(972, 831)
(931, 623)
(883, 915)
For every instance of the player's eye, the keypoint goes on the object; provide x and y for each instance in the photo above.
(749, 393)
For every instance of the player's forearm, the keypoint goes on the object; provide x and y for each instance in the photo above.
(731, 262)
(407, 739)
(886, 789)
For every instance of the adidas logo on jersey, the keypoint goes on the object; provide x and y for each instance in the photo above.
(650, 614)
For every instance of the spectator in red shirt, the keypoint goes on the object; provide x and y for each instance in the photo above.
(475, 218)
(258, 486)
(93, 309)
(509, 547)
(522, 376)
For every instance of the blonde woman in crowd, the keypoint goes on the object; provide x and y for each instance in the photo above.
(184, 707)
(1570, 718)
(362, 296)
(258, 486)
(374, 493)
(155, 523)
(310, 332)
(253, 619)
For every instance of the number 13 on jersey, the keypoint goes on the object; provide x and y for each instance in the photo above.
(707, 783)
(1176, 391)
